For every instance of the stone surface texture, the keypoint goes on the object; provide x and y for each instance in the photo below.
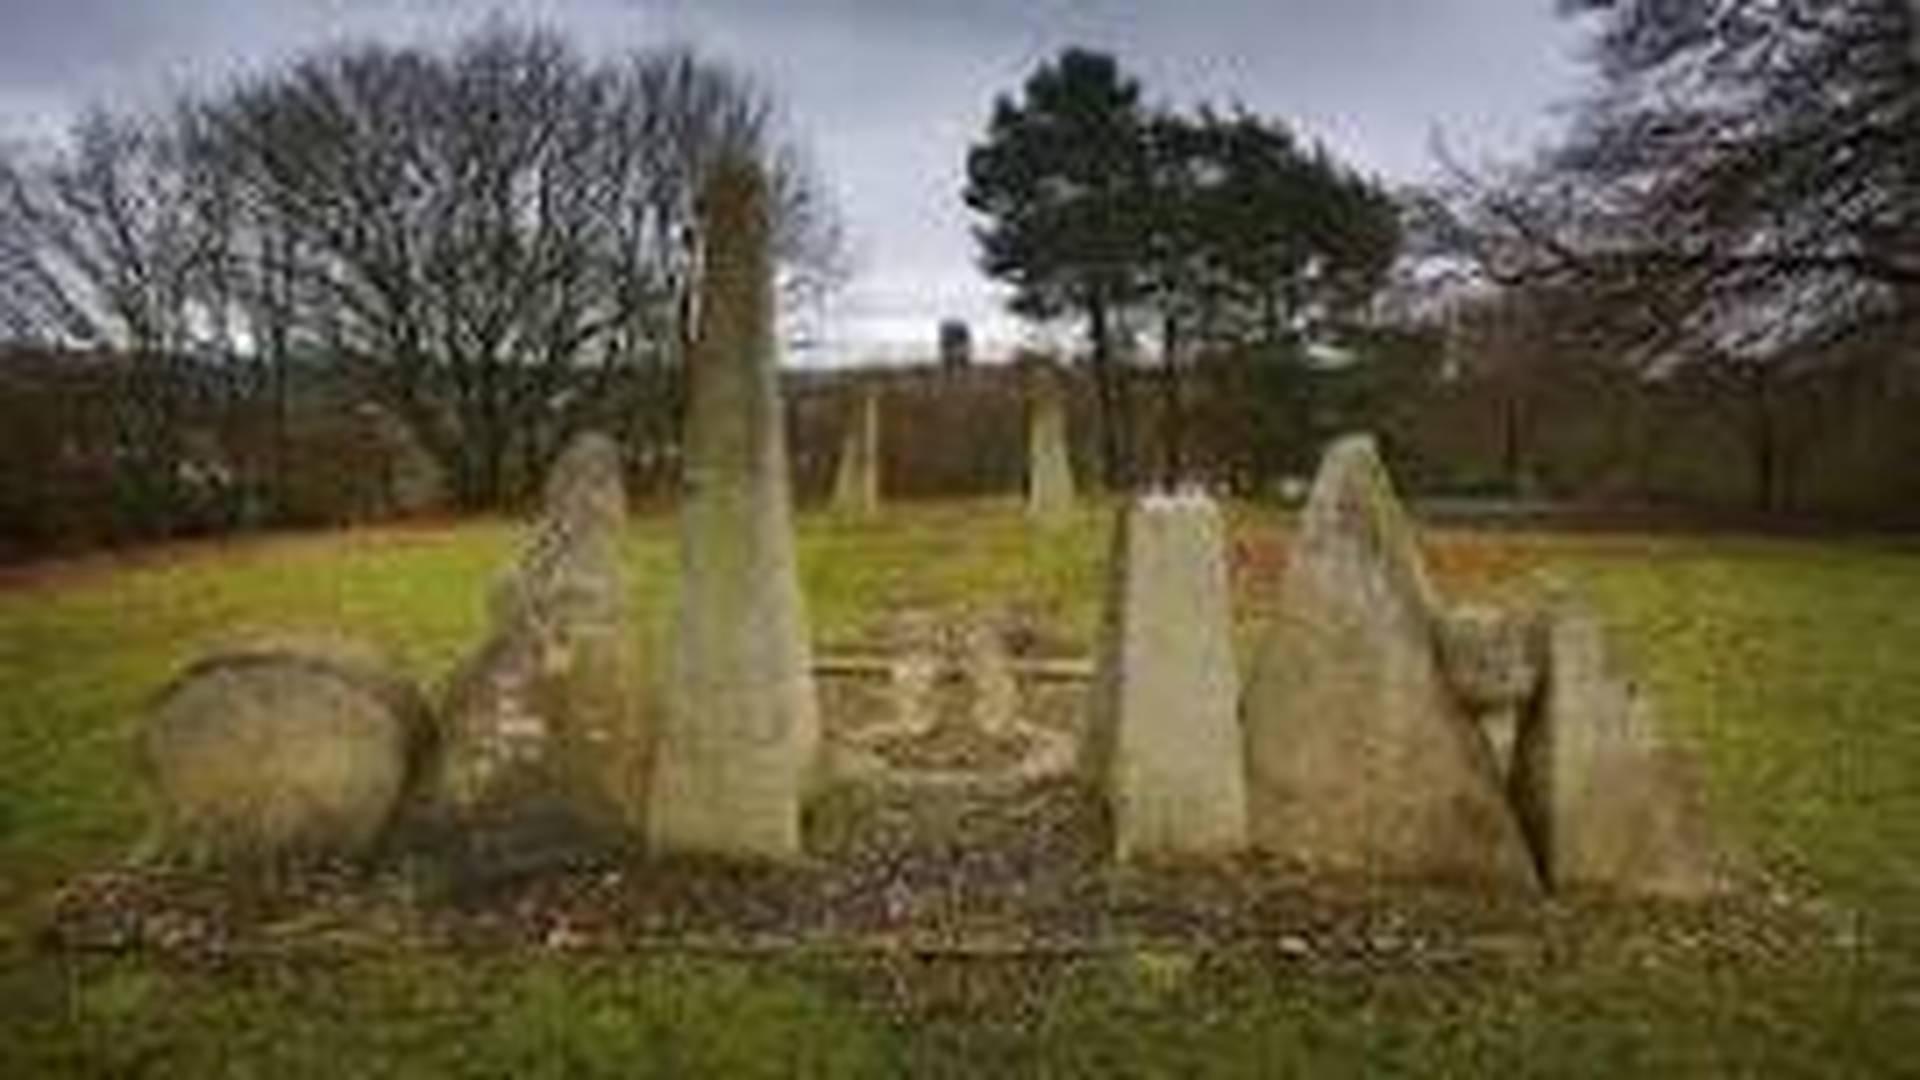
(856, 478)
(1606, 802)
(1163, 740)
(545, 725)
(1361, 758)
(741, 742)
(280, 747)
(1492, 660)
(1049, 465)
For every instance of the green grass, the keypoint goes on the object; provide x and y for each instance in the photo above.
(1792, 667)
(417, 1015)
(1789, 666)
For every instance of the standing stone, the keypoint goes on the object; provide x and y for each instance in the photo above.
(280, 747)
(856, 480)
(1607, 805)
(544, 726)
(742, 733)
(1491, 659)
(1164, 742)
(1049, 470)
(1360, 758)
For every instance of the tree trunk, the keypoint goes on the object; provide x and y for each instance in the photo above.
(282, 447)
(1513, 444)
(1112, 425)
(1172, 413)
(1764, 436)
(1269, 316)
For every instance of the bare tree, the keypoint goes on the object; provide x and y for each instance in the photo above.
(495, 242)
(1739, 194)
(106, 246)
(498, 241)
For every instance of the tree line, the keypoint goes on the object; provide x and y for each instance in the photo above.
(1714, 267)
(493, 242)
(1712, 270)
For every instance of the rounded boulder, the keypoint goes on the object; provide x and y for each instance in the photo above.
(281, 748)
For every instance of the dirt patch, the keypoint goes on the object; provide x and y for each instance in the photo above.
(1009, 876)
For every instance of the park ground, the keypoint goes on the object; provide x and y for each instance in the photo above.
(1789, 666)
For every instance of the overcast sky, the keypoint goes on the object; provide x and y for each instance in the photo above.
(889, 93)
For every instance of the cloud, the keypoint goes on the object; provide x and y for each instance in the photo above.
(890, 92)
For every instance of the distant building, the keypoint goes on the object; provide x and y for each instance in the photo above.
(956, 344)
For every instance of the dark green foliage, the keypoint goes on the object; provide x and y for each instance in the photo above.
(1207, 232)
(1061, 178)
(1256, 237)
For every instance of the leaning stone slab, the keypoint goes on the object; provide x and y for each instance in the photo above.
(856, 480)
(1049, 469)
(545, 735)
(1607, 803)
(1360, 758)
(280, 747)
(741, 741)
(1164, 744)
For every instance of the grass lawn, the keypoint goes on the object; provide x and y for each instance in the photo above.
(1793, 668)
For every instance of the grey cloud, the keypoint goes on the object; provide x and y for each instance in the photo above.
(890, 92)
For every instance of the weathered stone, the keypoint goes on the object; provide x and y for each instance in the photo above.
(1606, 802)
(1049, 469)
(406, 480)
(280, 747)
(741, 741)
(956, 708)
(856, 480)
(1360, 757)
(545, 731)
(995, 706)
(1491, 659)
(1163, 739)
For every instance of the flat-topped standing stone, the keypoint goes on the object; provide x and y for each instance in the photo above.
(1164, 742)
(856, 479)
(742, 733)
(1049, 469)
(1360, 758)
(1607, 805)
(544, 726)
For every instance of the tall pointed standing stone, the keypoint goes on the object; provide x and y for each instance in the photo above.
(1164, 743)
(1049, 469)
(1607, 805)
(856, 478)
(742, 729)
(1360, 758)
